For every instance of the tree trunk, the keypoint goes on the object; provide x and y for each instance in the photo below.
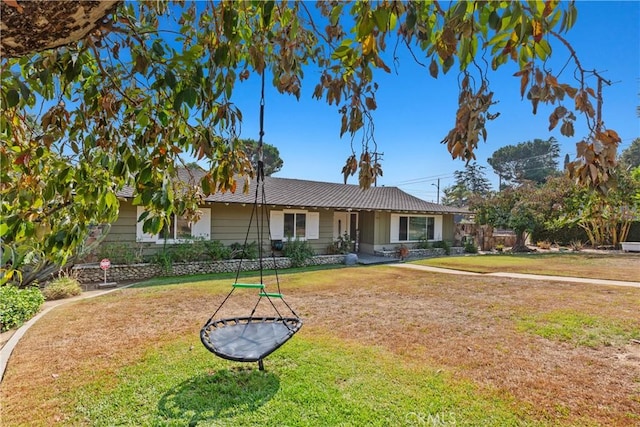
(520, 244)
(36, 25)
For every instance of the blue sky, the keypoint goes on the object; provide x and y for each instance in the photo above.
(416, 111)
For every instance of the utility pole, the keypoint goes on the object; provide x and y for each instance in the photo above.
(438, 193)
(599, 106)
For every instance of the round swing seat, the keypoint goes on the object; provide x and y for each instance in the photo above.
(248, 339)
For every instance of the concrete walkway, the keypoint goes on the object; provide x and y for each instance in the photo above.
(7, 349)
(522, 276)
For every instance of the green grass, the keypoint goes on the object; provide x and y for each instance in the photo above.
(578, 328)
(176, 280)
(477, 264)
(309, 382)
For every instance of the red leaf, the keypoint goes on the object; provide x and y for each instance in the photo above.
(22, 159)
(14, 4)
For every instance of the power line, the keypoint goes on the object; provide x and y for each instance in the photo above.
(422, 180)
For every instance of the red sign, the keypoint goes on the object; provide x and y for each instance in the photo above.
(105, 264)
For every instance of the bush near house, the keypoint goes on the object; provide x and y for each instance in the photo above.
(217, 250)
(18, 305)
(442, 244)
(559, 235)
(240, 251)
(299, 251)
(120, 253)
(342, 245)
(470, 247)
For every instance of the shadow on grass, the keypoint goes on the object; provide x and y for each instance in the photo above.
(222, 394)
(174, 280)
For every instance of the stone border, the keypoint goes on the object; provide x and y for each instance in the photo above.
(421, 253)
(91, 273)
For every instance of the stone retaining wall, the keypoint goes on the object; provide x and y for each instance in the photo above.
(91, 273)
(422, 253)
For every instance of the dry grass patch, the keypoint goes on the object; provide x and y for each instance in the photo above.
(468, 326)
(588, 265)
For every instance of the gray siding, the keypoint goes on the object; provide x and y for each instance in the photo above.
(124, 229)
(229, 224)
(448, 228)
(383, 227)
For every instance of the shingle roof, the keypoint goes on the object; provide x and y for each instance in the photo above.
(298, 193)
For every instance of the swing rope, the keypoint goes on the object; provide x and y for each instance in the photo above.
(250, 339)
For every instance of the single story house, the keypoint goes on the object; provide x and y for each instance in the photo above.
(377, 219)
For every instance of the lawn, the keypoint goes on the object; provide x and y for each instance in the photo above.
(617, 266)
(380, 346)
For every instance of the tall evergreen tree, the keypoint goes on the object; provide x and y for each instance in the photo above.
(527, 161)
(471, 181)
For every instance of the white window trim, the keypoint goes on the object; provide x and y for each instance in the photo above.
(394, 236)
(202, 227)
(296, 211)
(311, 228)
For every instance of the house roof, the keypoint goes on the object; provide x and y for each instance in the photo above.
(298, 193)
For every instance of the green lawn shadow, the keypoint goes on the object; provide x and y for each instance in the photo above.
(174, 280)
(223, 394)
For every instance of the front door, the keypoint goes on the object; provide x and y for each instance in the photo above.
(345, 223)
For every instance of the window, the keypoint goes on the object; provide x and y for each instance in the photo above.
(179, 229)
(294, 224)
(405, 228)
(417, 227)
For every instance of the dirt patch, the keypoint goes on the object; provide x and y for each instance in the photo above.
(465, 325)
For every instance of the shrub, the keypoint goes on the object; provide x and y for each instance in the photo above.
(576, 245)
(470, 248)
(423, 243)
(164, 260)
(216, 250)
(563, 236)
(342, 245)
(247, 251)
(62, 287)
(192, 250)
(120, 253)
(545, 244)
(18, 305)
(442, 244)
(298, 251)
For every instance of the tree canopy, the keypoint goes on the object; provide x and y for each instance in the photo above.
(526, 161)
(630, 157)
(470, 182)
(270, 156)
(97, 96)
